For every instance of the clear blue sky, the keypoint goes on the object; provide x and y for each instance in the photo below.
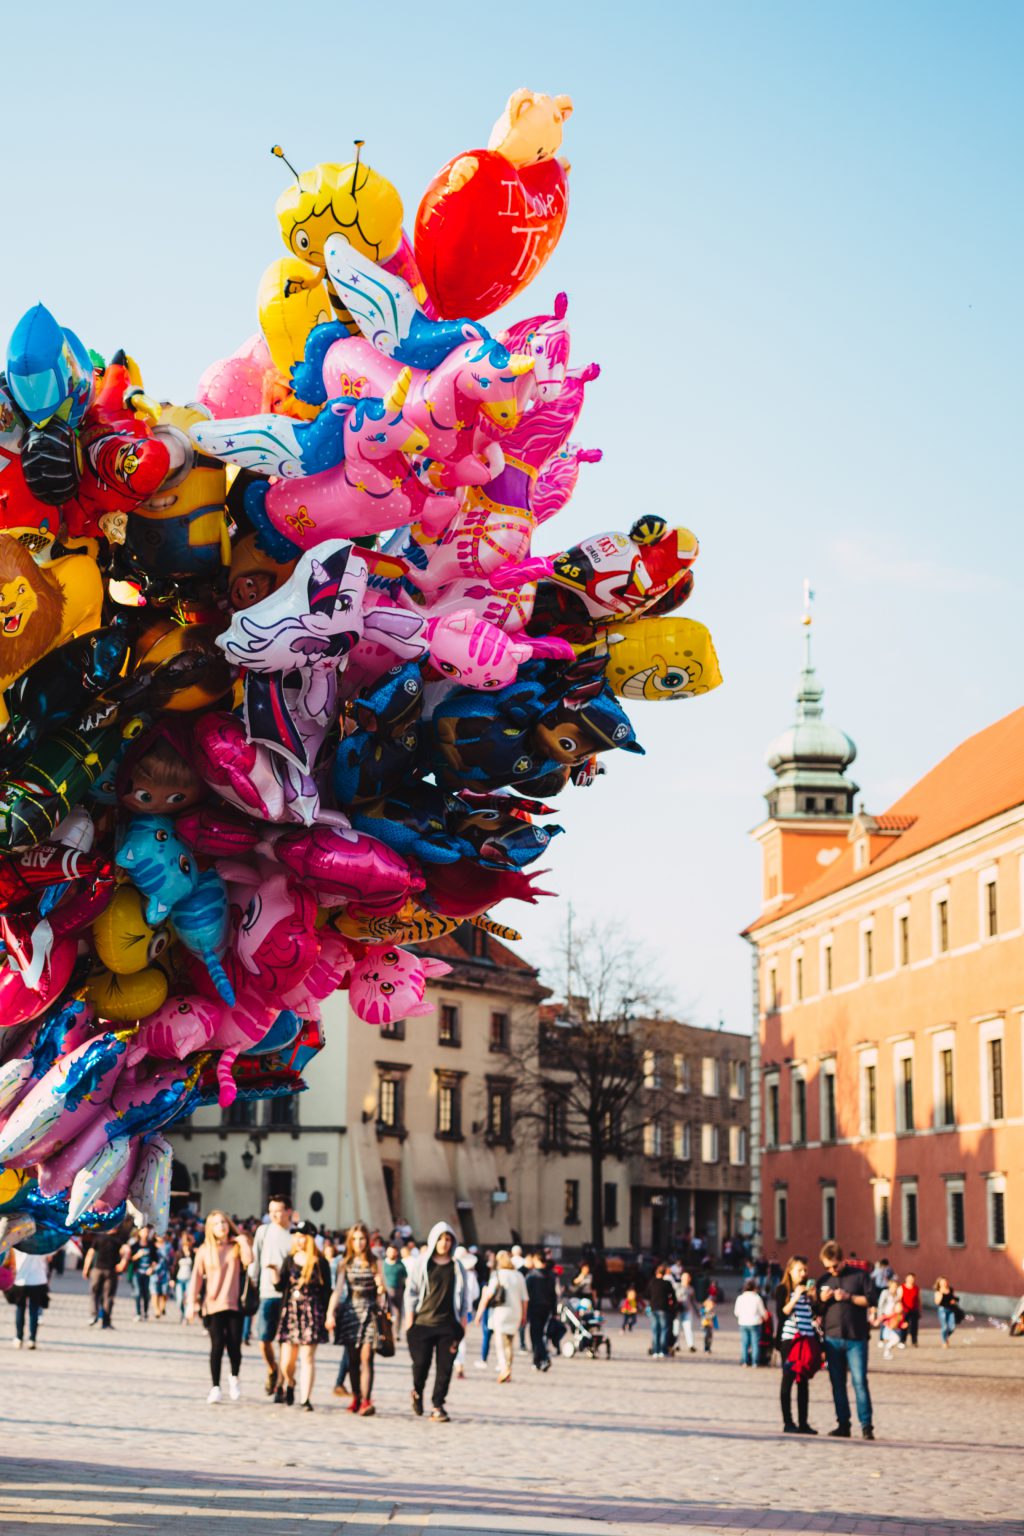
(795, 247)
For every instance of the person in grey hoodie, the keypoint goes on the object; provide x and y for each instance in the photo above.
(436, 1312)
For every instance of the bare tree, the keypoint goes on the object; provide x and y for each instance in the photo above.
(580, 1070)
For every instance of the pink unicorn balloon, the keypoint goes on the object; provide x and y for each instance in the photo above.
(544, 339)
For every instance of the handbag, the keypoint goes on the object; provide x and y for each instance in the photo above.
(385, 1333)
(249, 1296)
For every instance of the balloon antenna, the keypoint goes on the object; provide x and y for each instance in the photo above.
(355, 169)
(275, 149)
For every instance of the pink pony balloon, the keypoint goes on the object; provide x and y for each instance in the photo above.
(557, 480)
(545, 339)
(389, 982)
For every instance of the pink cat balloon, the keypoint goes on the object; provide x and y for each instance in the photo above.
(389, 983)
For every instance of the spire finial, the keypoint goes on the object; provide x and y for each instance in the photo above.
(807, 620)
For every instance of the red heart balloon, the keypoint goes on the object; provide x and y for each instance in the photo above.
(479, 245)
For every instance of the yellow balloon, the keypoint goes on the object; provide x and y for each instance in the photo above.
(125, 999)
(12, 1181)
(351, 200)
(124, 941)
(292, 299)
(661, 658)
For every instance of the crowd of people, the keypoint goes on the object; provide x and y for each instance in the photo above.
(291, 1287)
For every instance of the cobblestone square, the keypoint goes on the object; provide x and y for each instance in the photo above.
(113, 1434)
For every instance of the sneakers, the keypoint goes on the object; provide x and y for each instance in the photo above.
(417, 1403)
(438, 1416)
(31, 1343)
(234, 1390)
(867, 1432)
(805, 1429)
(15, 1343)
(215, 1395)
(481, 1365)
(841, 1432)
(366, 1409)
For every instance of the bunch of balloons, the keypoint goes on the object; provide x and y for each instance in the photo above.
(284, 688)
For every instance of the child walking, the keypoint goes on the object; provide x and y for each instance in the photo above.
(707, 1322)
(628, 1310)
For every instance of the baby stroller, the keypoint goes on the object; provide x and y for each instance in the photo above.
(584, 1329)
(765, 1342)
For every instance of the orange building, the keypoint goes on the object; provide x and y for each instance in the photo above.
(890, 977)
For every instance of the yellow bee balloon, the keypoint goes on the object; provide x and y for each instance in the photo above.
(351, 200)
(661, 658)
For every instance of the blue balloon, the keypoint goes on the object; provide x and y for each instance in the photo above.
(49, 371)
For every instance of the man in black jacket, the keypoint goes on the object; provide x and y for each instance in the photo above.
(541, 1301)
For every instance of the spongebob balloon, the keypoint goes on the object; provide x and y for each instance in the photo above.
(350, 200)
(661, 658)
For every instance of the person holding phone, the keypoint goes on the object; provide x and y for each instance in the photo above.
(843, 1303)
(794, 1308)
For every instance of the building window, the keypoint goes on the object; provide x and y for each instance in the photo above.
(652, 1139)
(773, 989)
(389, 1103)
(989, 907)
(652, 1077)
(611, 1204)
(771, 1111)
(737, 1146)
(869, 1095)
(798, 1086)
(996, 1211)
(554, 1123)
(956, 1230)
(241, 1112)
(448, 1024)
(572, 1202)
(903, 1073)
(283, 1110)
(798, 977)
(449, 1108)
(709, 1077)
(940, 911)
(737, 1079)
(867, 950)
(499, 1114)
(908, 1212)
(499, 1032)
(681, 1141)
(992, 1097)
(828, 1213)
(781, 1214)
(945, 1096)
(829, 1128)
(903, 939)
(709, 1143)
(826, 965)
(681, 1065)
(393, 1031)
(883, 1222)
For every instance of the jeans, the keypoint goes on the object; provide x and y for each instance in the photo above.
(803, 1390)
(659, 1333)
(426, 1343)
(486, 1333)
(344, 1366)
(947, 1323)
(849, 1354)
(537, 1320)
(748, 1343)
(225, 1329)
(34, 1310)
(140, 1285)
(180, 1296)
(104, 1289)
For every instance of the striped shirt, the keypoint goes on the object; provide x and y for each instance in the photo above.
(800, 1321)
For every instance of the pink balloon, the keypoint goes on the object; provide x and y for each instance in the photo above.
(19, 1002)
(326, 975)
(182, 1025)
(349, 865)
(236, 385)
(389, 983)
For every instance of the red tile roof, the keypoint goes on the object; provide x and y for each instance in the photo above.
(448, 947)
(980, 778)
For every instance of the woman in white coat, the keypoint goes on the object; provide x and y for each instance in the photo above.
(505, 1295)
